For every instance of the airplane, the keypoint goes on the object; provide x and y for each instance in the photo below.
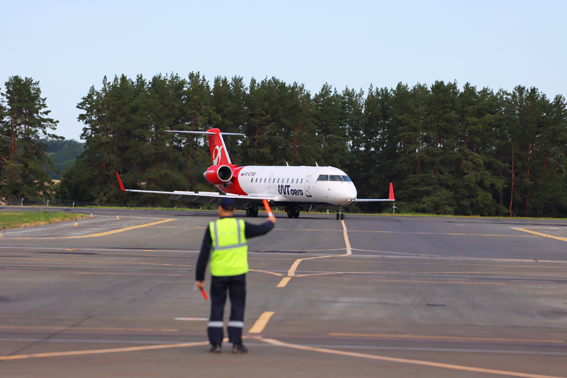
(297, 188)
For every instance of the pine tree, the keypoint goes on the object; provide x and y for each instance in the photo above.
(23, 122)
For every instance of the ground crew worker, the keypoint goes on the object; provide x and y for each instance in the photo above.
(229, 264)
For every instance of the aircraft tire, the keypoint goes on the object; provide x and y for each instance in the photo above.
(296, 214)
(342, 216)
(337, 216)
(255, 213)
(248, 213)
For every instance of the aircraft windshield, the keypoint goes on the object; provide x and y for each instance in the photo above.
(346, 178)
(323, 178)
(336, 178)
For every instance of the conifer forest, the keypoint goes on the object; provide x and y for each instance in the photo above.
(448, 148)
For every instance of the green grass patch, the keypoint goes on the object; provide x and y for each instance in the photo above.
(12, 219)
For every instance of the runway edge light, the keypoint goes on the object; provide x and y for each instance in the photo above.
(76, 222)
(117, 215)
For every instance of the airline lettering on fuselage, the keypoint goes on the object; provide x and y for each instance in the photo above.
(285, 190)
(248, 174)
(217, 155)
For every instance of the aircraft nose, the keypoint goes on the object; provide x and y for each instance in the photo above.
(349, 194)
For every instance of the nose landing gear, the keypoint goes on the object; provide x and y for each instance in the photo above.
(340, 214)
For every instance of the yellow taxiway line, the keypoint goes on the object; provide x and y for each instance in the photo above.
(100, 351)
(406, 360)
(285, 345)
(97, 234)
(540, 234)
(426, 337)
(261, 323)
(295, 265)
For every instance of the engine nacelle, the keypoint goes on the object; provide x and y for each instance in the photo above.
(218, 174)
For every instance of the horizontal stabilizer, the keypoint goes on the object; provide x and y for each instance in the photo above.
(201, 132)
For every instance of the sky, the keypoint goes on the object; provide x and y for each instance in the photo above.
(69, 46)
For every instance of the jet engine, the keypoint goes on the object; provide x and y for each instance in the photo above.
(218, 174)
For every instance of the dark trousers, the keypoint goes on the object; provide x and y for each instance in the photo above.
(236, 287)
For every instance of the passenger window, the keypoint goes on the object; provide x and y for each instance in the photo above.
(292, 181)
(302, 181)
(252, 179)
(323, 178)
(278, 181)
(287, 181)
(336, 178)
(264, 181)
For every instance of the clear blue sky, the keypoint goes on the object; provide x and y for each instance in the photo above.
(71, 45)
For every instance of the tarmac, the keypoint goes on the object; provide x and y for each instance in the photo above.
(373, 296)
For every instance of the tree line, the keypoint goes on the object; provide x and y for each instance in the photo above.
(447, 149)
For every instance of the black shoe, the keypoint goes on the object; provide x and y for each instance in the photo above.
(215, 348)
(239, 349)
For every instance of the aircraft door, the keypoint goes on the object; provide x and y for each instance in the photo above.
(308, 186)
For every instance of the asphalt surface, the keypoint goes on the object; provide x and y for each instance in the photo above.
(398, 297)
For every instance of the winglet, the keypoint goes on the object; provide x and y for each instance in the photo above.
(391, 197)
(120, 182)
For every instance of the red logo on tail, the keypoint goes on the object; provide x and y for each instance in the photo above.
(218, 149)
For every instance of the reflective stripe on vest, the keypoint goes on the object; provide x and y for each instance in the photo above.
(230, 248)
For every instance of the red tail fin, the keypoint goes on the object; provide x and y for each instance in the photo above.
(391, 197)
(219, 154)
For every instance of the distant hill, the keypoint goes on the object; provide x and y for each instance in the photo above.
(64, 153)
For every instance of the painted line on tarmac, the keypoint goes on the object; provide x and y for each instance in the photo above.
(436, 338)
(266, 271)
(540, 234)
(258, 344)
(65, 329)
(193, 319)
(101, 351)
(261, 323)
(95, 262)
(407, 361)
(284, 282)
(96, 235)
(444, 282)
(295, 265)
(347, 242)
(412, 233)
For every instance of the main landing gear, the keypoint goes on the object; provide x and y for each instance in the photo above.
(252, 211)
(340, 214)
(292, 212)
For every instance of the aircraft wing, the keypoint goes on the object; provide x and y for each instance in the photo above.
(201, 197)
(391, 197)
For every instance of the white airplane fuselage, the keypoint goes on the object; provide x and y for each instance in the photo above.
(294, 185)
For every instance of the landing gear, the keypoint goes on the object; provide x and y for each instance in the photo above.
(340, 214)
(292, 212)
(252, 211)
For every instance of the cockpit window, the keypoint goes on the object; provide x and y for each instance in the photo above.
(347, 179)
(336, 178)
(323, 178)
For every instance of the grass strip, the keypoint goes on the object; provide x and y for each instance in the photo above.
(14, 219)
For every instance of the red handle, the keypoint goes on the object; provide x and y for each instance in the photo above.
(204, 294)
(267, 207)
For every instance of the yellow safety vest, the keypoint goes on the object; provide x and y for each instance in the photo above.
(230, 250)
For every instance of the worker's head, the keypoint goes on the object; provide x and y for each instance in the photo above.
(226, 207)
